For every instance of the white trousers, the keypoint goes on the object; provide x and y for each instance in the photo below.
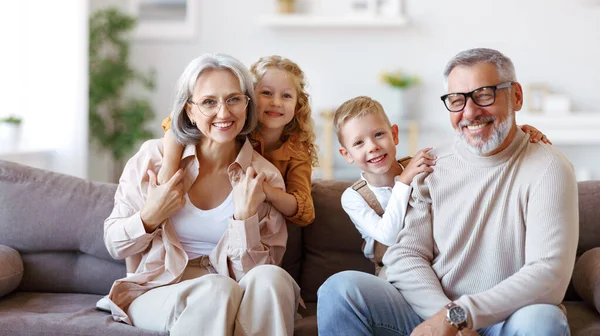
(264, 302)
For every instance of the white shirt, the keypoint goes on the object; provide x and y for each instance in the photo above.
(371, 226)
(198, 230)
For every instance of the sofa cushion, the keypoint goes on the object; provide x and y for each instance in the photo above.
(331, 243)
(292, 259)
(589, 216)
(46, 211)
(47, 314)
(586, 277)
(11, 271)
(56, 222)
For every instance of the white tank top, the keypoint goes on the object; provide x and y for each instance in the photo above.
(198, 230)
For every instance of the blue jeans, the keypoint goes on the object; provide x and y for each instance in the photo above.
(355, 303)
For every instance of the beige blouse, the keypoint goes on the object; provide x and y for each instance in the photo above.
(258, 240)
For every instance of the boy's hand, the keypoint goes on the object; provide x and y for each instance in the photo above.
(535, 135)
(421, 162)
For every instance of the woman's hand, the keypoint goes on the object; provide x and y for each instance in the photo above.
(535, 135)
(248, 194)
(421, 162)
(162, 201)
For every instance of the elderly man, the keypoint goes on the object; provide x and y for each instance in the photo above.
(490, 236)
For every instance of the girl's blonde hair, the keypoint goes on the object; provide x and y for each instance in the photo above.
(301, 128)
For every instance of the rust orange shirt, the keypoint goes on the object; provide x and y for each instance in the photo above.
(294, 164)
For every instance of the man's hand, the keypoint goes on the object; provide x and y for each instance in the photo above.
(435, 326)
(468, 332)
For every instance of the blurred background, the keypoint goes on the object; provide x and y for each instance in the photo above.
(83, 85)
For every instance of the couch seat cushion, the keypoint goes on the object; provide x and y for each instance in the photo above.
(583, 320)
(57, 314)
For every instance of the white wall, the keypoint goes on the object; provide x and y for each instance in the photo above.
(44, 77)
(550, 41)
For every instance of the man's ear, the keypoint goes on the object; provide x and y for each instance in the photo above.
(346, 155)
(517, 96)
(395, 134)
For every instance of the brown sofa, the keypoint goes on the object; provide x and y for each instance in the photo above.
(54, 266)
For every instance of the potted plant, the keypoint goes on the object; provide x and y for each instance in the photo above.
(396, 97)
(10, 131)
(118, 119)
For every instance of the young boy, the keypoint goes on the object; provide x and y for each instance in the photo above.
(377, 202)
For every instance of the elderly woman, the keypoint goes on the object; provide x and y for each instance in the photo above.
(205, 242)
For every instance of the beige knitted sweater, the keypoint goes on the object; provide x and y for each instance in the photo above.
(492, 233)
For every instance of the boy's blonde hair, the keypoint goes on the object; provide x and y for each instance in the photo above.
(357, 107)
(301, 128)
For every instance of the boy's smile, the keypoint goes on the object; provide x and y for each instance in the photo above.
(370, 143)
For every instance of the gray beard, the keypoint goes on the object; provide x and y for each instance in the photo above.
(499, 134)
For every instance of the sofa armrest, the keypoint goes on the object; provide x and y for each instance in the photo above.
(586, 277)
(11, 271)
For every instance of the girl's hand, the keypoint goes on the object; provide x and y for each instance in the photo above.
(268, 189)
(421, 162)
(162, 201)
(248, 194)
(535, 135)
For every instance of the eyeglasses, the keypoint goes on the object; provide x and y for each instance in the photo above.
(211, 106)
(483, 96)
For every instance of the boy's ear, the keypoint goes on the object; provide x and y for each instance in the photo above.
(395, 134)
(346, 155)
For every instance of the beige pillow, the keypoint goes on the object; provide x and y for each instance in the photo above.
(586, 277)
(11, 271)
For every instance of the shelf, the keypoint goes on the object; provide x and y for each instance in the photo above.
(573, 129)
(314, 21)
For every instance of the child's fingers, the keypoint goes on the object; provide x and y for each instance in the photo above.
(546, 140)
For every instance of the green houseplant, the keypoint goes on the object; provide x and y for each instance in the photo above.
(397, 102)
(12, 120)
(117, 119)
(10, 131)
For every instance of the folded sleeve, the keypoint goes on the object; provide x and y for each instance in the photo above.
(124, 233)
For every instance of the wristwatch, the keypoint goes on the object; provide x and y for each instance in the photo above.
(456, 315)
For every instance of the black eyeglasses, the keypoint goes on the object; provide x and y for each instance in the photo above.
(483, 96)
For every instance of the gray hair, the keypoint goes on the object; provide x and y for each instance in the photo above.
(471, 57)
(183, 130)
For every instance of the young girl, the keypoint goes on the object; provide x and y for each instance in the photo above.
(285, 136)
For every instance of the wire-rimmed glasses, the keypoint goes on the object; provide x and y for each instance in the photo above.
(211, 106)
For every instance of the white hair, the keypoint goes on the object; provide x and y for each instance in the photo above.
(471, 57)
(183, 130)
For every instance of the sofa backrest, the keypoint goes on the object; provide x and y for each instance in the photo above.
(331, 244)
(56, 223)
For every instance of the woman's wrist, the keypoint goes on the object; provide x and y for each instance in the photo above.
(243, 214)
(148, 222)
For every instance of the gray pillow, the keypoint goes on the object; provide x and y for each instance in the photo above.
(11, 271)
